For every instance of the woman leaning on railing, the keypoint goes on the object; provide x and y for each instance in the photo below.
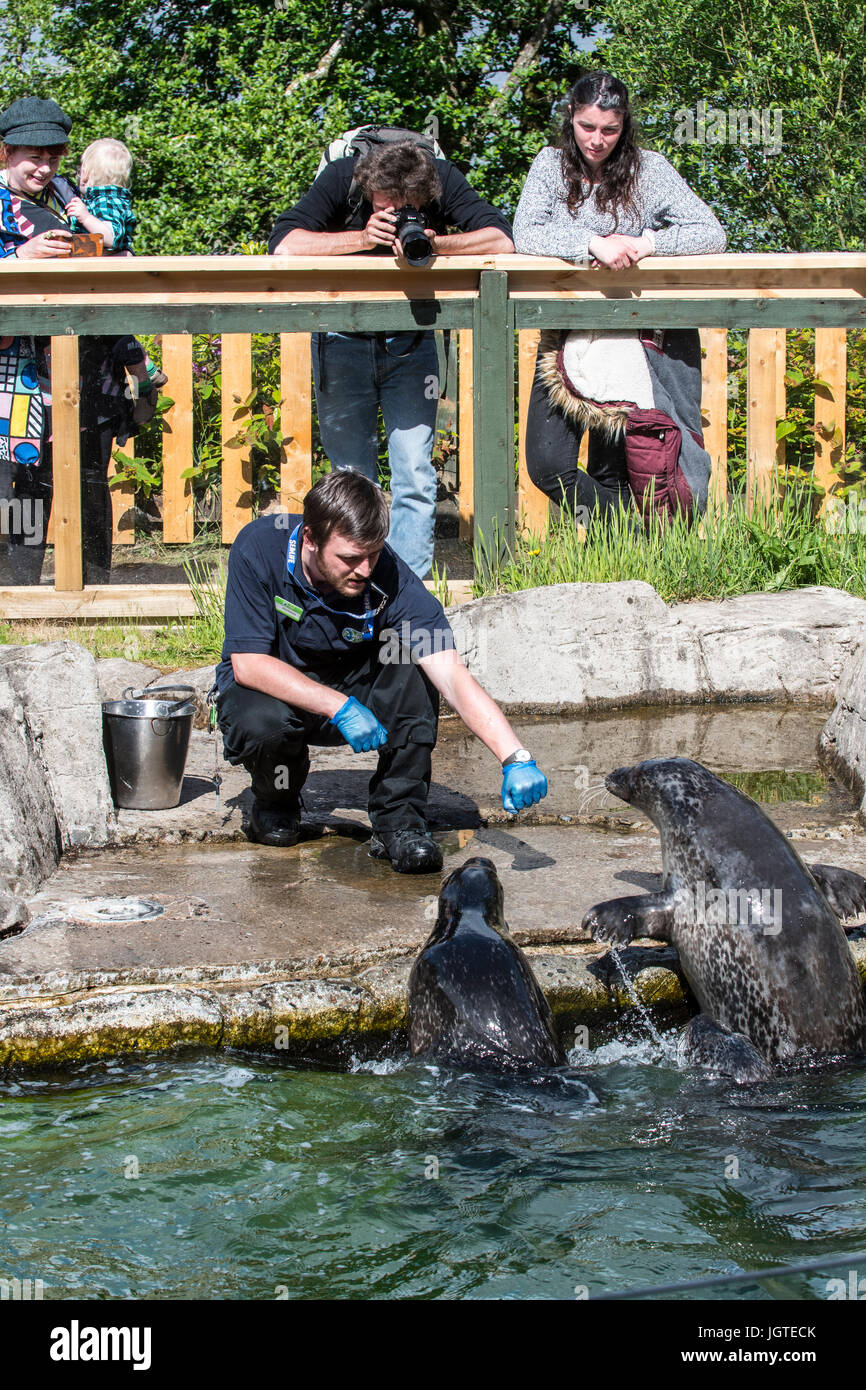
(602, 200)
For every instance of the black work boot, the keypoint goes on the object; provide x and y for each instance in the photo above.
(278, 826)
(410, 851)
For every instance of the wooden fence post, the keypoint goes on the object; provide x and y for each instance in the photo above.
(493, 449)
(122, 500)
(178, 514)
(761, 467)
(237, 481)
(533, 507)
(714, 408)
(831, 366)
(66, 456)
(296, 423)
(465, 436)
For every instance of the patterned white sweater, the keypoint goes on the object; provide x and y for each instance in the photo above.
(680, 223)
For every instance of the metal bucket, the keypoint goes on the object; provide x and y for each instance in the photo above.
(146, 739)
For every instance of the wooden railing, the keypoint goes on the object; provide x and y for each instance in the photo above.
(486, 299)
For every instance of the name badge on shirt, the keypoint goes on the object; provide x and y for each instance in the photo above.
(290, 610)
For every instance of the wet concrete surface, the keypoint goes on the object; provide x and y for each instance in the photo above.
(575, 755)
(319, 938)
(228, 902)
(325, 901)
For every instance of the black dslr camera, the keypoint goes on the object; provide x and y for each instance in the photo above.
(414, 243)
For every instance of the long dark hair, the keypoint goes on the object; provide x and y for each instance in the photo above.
(616, 181)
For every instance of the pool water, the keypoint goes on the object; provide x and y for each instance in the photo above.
(223, 1176)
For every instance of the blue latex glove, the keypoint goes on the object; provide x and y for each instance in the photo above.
(522, 785)
(359, 726)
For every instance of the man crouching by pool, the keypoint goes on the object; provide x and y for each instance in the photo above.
(329, 636)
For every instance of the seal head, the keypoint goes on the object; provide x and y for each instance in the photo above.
(473, 999)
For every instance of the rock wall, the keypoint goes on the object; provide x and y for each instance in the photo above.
(843, 739)
(586, 646)
(54, 791)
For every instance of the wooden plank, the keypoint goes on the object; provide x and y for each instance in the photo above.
(98, 601)
(685, 312)
(178, 503)
(781, 391)
(128, 601)
(675, 309)
(237, 383)
(465, 438)
(761, 473)
(493, 422)
(533, 508)
(714, 408)
(831, 366)
(296, 468)
(122, 501)
(392, 313)
(66, 456)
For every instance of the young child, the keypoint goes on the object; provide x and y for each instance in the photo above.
(106, 208)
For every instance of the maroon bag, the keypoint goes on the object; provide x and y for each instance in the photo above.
(652, 451)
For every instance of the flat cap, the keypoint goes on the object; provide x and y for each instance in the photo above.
(32, 121)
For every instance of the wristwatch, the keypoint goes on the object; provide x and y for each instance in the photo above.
(520, 755)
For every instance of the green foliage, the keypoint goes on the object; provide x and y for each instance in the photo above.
(802, 58)
(227, 106)
(779, 546)
(798, 428)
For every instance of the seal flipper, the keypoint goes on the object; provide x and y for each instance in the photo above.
(621, 919)
(844, 890)
(703, 1043)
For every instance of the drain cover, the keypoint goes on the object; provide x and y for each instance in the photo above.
(116, 909)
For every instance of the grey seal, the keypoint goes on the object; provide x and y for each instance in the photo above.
(756, 930)
(473, 999)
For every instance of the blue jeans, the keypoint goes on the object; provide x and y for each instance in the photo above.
(355, 376)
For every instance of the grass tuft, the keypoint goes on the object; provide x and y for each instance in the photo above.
(779, 546)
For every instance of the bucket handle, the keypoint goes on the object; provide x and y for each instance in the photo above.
(153, 691)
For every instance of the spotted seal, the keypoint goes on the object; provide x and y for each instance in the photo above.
(757, 933)
(473, 999)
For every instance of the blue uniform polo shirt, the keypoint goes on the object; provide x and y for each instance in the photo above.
(270, 607)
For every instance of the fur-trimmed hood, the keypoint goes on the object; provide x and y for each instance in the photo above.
(607, 363)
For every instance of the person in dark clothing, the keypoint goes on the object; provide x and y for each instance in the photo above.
(353, 207)
(330, 637)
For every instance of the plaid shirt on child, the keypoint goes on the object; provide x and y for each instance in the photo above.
(111, 203)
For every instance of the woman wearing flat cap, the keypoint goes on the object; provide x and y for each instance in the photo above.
(34, 226)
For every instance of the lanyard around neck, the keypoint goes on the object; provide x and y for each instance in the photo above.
(293, 555)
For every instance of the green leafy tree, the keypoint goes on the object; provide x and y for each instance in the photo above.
(227, 106)
(799, 65)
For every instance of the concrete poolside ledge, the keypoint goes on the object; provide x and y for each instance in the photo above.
(365, 1009)
(330, 1016)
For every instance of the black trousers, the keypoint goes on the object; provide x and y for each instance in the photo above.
(30, 492)
(271, 739)
(552, 445)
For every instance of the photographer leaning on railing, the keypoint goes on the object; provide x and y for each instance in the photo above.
(393, 197)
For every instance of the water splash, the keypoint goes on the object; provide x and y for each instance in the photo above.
(667, 1049)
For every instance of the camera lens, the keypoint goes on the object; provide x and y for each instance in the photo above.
(414, 243)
